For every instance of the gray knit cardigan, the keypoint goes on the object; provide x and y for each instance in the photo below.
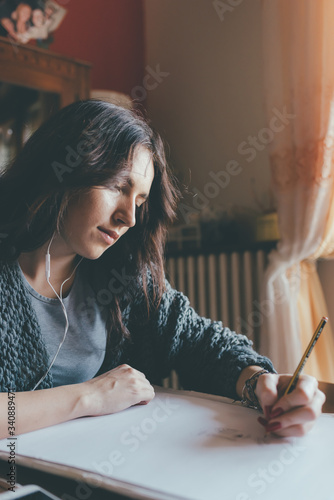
(206, 356)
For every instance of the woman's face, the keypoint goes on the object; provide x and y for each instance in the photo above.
(24, 12)
(96, 220)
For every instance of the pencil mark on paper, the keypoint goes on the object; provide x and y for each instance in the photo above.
(236, 435)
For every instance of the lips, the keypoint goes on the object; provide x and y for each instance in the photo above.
(108, 235)
(111, 233)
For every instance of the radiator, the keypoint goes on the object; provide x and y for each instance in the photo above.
(224, 287)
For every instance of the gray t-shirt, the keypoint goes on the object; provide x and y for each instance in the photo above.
(83, 350)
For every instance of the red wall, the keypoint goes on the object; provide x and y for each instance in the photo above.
(110, 35)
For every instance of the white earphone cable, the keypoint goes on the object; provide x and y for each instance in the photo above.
(60, 298)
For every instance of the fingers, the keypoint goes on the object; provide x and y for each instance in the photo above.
(295, 413)
(302, 395)
(130, 370)
(137, 384)
(267, 392)
(298, 421)
(117, 390)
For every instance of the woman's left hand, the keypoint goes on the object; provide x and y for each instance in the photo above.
(293, 414)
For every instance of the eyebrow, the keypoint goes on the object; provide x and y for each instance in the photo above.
(131, 184)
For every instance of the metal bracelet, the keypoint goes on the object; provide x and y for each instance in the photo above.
(249, 397)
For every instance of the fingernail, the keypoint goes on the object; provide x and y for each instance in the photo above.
(262, 421)
(276, 413)
(267, 410)
(274, 426)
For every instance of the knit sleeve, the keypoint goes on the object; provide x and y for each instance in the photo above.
(207, 356)
(23, 355)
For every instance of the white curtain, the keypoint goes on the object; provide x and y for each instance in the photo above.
(298, 47)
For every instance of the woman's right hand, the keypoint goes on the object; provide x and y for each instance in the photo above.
(111, 392)
(115, 391)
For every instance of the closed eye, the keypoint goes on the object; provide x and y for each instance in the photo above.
(141, 204)
(115, 189)
(124, 188)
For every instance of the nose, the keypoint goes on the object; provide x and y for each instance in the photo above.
(126, 212)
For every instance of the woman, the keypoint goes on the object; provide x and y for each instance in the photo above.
(83, 214)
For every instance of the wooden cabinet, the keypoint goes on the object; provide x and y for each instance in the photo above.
(43, 70)
(34, 83)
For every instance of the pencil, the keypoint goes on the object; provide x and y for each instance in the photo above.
(305, 356)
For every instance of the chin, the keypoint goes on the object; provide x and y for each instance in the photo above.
(91, 253)
(96, 255)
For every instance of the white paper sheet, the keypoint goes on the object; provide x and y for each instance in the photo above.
(198, 448)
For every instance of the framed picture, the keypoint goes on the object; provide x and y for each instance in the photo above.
(31, 19)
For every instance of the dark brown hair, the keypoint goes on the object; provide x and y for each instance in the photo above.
(89, 143)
